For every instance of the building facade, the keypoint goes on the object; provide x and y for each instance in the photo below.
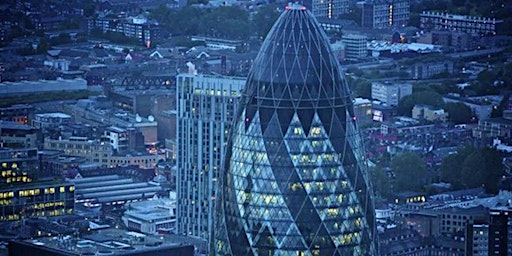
(138, 29)
(390, 93)
(381, 14)
(452, 22)
(355, 46)
(16, 135)
(431, 69)
(23, 194)
(500, 231)
(206, 107)
(330, 9)
(295, 180)
(429, 113)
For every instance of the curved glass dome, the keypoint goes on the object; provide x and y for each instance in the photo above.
(295, 182)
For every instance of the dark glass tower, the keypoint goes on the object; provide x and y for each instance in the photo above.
(295, 181)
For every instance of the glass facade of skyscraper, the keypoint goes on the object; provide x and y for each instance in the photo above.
(295, 179)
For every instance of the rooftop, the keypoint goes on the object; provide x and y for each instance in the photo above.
(15, 126)
(54, 115)
(111, 242)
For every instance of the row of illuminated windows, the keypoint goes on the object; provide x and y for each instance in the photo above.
(18, 179)
(348, 238)
(9, 194)
(315, 131)
(5, 202)
(6, 165)
(37, 191)
(216, 92)
(312, 158)
(46, 205)
(10, 173)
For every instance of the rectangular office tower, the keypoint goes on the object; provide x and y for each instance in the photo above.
(206, 106)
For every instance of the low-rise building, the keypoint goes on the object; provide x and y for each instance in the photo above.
(355, 46)
(16, 135)
(390, 93)
(50, 120)
(363, 111)
(151, 216)
(37, 199)
(447, 21)
(105, 242)
(425, 70)
(429, 113)
(109, 190)
(97, 151)
(19, 113)
(481, 107)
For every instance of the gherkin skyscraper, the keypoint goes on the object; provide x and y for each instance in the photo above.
(295, 180)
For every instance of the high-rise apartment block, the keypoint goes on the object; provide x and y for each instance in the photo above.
(381, 14)
(390, 93)
(295, 180)
(330, 9)
(206, 106)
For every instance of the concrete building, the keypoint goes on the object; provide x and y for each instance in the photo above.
(50, 120)
(363, 111)
(455, 219)
(382, 14)
(93, 150)
(470, 24)
(88, 112)
(138, 29)
(104, 242)
(152, 216)
(16, 135)
(390, 93)
(142, 159)
(206, 109)
(482, 108)
(425, 70)
(17, 113)
(331, 9)
(97, 151)
(429, 113)
(355, 46)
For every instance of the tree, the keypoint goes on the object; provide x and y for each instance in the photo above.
(471, 167)
(360, 87)
(451, 170)
(423, 97)
(263, 20)
(62, 38)
(458, 112)
(380, 181)
(43, 45)
(410, 171)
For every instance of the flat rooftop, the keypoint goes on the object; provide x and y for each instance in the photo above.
(112, 242)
